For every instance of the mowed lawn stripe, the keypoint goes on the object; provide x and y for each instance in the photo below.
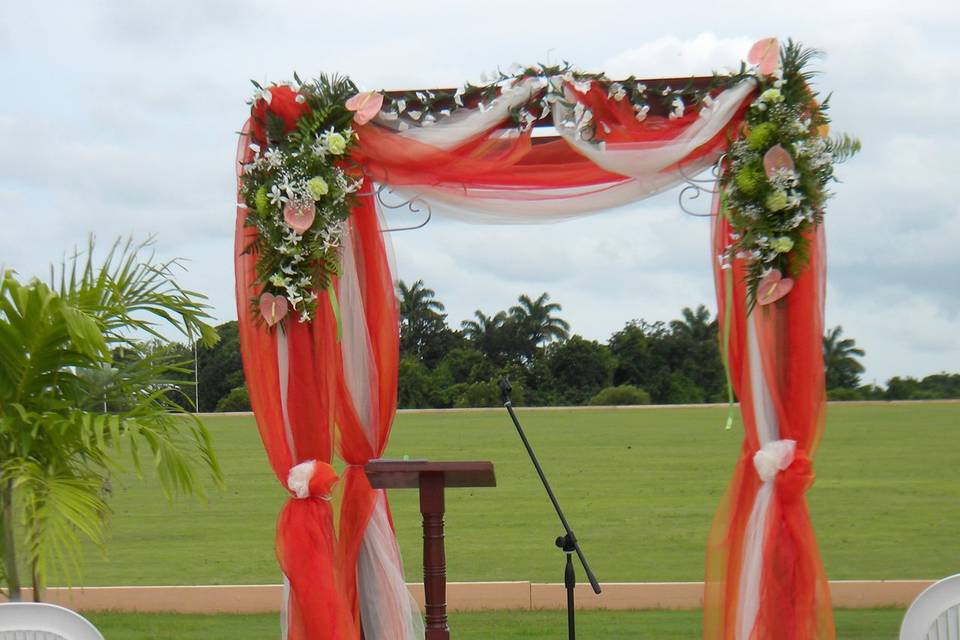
(640, 488)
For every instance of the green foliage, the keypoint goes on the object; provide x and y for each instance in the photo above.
(220, 368)
(624, 394)
(298, 265)
(72, 405)
(580, 368)
(771, 216)
(936, 386)
(844, 394)
(237, 400)
(840, 360)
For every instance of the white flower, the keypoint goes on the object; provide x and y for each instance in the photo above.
(276, 196)
(286, 186)
(401, 105)
(617, 92)
(274, 157)
(678, 108)
(642, 111)
(458, 97)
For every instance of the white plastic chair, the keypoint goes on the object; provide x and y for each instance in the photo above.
(41, 621)
(935, 614)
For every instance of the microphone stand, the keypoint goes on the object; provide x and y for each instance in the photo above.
(568, 542)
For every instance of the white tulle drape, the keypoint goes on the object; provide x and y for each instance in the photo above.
(646, 170)
(385, 601)
(768, 431)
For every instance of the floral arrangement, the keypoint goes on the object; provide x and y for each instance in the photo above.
(299, 189)
(300, 184)
(775, 176)
(552, 83)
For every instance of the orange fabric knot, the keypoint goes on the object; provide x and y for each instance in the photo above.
(311, 479)
(796, 479)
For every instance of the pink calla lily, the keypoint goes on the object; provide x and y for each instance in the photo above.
(766, 55)
(775, 159)
(299, 215)
(773, 287)
(365, 106)
(273, 308)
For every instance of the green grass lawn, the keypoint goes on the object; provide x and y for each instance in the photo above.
(639, 486)
(860, 624)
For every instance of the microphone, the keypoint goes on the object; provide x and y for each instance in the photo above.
(505, 389)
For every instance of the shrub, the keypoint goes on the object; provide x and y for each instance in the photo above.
(625, 394)
(237, 400)
(844, 394)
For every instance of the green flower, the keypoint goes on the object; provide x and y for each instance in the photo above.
(317, 187)
(762, 136)
(777, 201)
(750, 180)
(336, 144)
(771, 95)
(783, 244)
(261, 202)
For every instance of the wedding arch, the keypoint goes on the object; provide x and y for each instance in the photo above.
(319, 324)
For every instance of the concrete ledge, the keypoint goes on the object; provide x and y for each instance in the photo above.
(461, 596)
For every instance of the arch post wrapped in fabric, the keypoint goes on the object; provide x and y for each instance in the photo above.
(319, 324)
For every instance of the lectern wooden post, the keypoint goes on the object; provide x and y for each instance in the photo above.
(431, 478)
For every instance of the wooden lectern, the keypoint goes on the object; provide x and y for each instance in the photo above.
(431, 478)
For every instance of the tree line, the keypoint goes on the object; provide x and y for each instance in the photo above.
(531, 343)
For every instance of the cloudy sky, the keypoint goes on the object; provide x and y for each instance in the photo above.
(119, 118)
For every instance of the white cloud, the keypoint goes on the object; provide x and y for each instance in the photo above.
(119, 118)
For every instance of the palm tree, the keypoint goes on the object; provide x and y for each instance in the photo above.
(485, 331)
(695, 324)
(69, 407)
(840, 360)
(417, 301)
(421, 315)
(536, 319)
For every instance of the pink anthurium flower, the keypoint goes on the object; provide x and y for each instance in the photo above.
(299, 215)
(766, 55)
(775, 159)
(365, 106)
(773, 287)
(273, 308)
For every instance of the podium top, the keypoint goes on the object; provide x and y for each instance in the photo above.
(405, 474)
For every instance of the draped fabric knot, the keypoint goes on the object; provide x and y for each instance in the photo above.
(311, 479)
(773, 458)
(788, 466)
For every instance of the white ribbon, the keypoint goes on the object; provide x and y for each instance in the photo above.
(773, 458)
(298, 480)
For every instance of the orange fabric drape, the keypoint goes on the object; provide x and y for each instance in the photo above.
(305, 539)
(794, 595)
